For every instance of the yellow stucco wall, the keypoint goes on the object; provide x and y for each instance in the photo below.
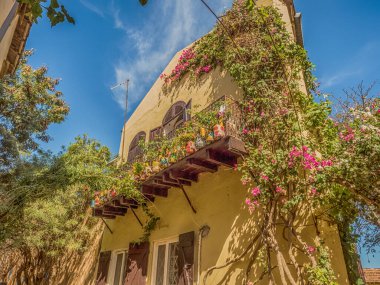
(5, 8)
(152, 109)
(219, 201)
(218, 198)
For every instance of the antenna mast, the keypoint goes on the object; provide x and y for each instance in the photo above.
(126, 83)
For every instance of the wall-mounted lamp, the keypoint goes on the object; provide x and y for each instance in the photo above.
(203, 232)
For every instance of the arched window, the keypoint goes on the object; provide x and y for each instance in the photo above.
(134, 147)
(175, 117)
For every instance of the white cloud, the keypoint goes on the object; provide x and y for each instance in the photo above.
(172, 26)
(93, 8)
(339, 77)
(355, 68)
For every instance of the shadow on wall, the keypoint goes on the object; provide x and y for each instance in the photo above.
(230, 247)
(213, 85)
(229, 268)
(32, 268)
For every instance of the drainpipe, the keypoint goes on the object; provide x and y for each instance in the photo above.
(203, 232)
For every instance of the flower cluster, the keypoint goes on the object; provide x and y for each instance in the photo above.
(185, 64)
(251, 204)
(309, 159)
(348, 135)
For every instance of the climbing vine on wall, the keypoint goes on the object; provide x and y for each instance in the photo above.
(300, 163)
(299, 159)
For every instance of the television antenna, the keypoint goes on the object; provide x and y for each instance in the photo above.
(126, 83)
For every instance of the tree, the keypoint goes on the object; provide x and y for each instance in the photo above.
(358, 146)
(29, 104)
(56, 12)
(45, 213)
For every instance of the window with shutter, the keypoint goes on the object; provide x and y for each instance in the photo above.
(103, 265)
(137, 264)
(174, 110)
(186, 258)
(165, 262)
(134, 148)
(155, 134)
(118, 265)
(175, 117)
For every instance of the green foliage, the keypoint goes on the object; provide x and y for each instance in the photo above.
(56, 12)
(46, 195)
(86, 162)
(299, 159)
(150, 225)
(322, 274)
(57, 224)
(29, 104)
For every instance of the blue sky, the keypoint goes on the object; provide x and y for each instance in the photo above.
(117, 39)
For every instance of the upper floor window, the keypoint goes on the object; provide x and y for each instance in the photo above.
(175, 117)
(155, 133)
(134, 148)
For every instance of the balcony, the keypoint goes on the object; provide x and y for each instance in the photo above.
(206, 154)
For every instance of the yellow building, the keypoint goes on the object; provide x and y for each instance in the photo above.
(14, 31)
(204, 221)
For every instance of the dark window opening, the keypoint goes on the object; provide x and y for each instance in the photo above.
(134, 148)
(175, 117)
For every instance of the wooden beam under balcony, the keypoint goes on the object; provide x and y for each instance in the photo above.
(156, 191)
(167, 178)
(106, 216)
(110, 210)
(117, 204)
(183, 175)
(128, 202)
(98, 212)
(221, 158)
(161, 183)
(202, 165)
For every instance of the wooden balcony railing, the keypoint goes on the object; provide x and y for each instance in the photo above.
(223, 150)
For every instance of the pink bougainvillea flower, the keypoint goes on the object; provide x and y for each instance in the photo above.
(251, 205)
(255, 191)
(326, 163)
(245, 131)
(311, 249)
(283, 111)
(235, 167)
(264, 177)
(206, 68)
(245, 181)
(198, 70)
(348, 135)
(280, 190)
(313, 191)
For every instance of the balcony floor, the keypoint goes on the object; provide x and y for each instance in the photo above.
(223, 152)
